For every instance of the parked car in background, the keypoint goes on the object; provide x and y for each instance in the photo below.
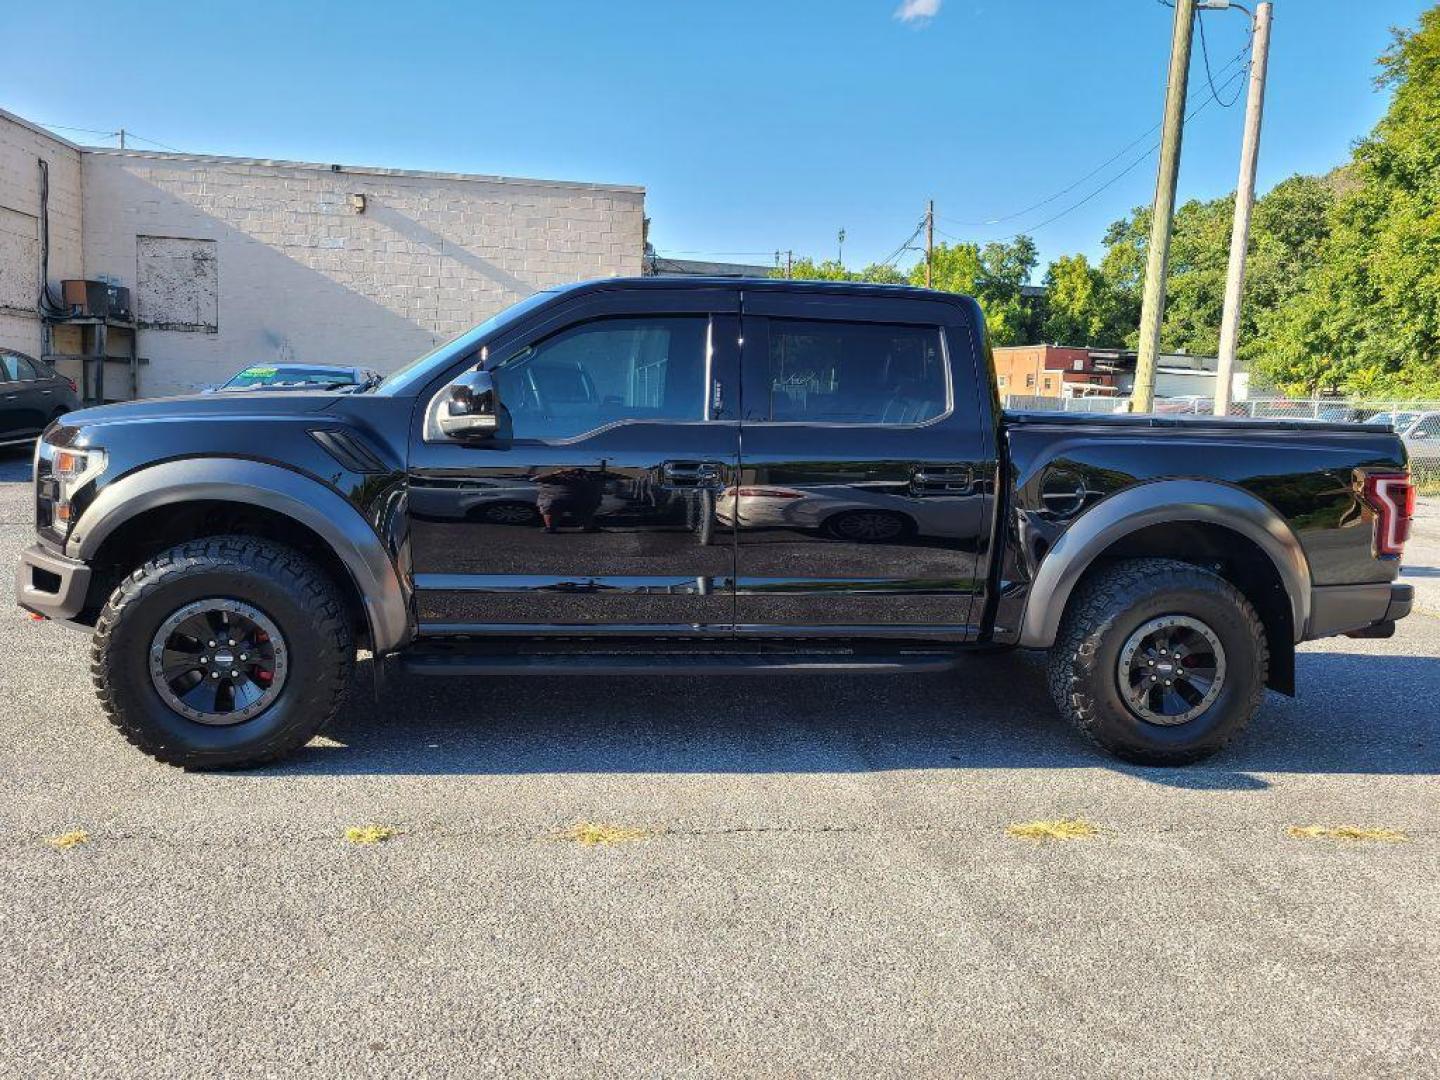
(338, 377)
(1422, 436)
(32, 394)
(1400, 421)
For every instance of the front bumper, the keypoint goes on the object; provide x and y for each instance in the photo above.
(1345, 609)
(51, 585)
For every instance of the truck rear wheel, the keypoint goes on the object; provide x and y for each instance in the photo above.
(1160, 662)
(222, 652)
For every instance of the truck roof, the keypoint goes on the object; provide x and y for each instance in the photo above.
(791, 285)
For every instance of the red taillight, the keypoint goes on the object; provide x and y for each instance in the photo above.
(74, 387)
(1392, 497)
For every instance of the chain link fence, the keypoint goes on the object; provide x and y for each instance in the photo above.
(1417, 422)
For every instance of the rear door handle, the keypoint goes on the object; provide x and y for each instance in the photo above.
(936, 479)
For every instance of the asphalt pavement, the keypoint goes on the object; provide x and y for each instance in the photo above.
(817, 880)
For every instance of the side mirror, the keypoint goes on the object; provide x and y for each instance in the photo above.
(1419, 435)
(470, 407)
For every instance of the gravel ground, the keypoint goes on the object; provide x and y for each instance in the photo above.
(824, 885)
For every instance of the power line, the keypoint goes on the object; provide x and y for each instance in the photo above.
(111, 134)
(71, 127)
(1095, 171)
(1114, 179)
(905, 245)
(152, 142)
(1210, 78)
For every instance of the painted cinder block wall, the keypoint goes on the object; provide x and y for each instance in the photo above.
(21, 146)
(286, 268)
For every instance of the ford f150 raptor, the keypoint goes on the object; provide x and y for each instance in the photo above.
(663, 475)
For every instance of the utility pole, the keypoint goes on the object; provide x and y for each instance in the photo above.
(122, 138)
(930, 244)
(789, 263)
(1244, 204)
(1152, 306)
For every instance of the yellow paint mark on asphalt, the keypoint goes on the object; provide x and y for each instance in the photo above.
(368, 834)
(598, 833)
(1346, 832)
(1059, 829)
(67, 840)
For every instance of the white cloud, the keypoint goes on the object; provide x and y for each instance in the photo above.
(917, 11)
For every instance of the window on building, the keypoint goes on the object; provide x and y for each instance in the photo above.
(177, 284)
(854, 373)
(605, 372)
(1029, 380)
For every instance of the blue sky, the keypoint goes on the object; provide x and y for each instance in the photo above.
(754, 124)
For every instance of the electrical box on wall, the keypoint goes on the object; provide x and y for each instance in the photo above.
(98, 299)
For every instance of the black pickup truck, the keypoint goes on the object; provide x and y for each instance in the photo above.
(682, 476)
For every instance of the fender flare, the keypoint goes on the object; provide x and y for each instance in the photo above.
(1156, 503)
(255, 483)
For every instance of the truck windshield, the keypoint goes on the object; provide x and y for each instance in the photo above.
(290, 375)
(420, 370)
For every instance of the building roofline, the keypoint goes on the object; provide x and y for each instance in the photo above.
(40, 129)
(356, 170)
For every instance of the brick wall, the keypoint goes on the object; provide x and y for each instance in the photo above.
(237, 262)
(21, 146)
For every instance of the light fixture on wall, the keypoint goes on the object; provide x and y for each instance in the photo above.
(357, 203)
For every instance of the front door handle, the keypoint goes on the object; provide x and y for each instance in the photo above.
(693, 474)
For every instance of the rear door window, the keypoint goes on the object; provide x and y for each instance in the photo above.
(852, 373)
(14, 368)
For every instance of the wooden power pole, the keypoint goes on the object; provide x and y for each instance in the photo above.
(1244, 204)
(930, 244)
(1152, 306)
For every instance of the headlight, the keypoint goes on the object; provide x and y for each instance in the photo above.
(71, 470)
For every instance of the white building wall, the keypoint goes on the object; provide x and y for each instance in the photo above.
(22, 145)
(236, 262)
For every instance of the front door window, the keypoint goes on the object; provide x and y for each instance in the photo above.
(607, 372)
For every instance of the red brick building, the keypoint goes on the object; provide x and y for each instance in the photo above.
(1050, 371)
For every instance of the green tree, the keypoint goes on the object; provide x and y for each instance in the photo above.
(830, 270)
(1367, 317)
(993, 275)
(1080, 307)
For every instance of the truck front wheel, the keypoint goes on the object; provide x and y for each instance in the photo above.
(1158, 661)
(222, 652)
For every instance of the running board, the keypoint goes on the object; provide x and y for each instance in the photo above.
(479, 663)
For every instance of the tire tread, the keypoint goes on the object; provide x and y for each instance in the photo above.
(275, 561)
(1098, 601)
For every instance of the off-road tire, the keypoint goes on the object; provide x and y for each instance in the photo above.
(1106, 609)
(295, 594)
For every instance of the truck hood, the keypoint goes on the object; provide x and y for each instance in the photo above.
(256, 403)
